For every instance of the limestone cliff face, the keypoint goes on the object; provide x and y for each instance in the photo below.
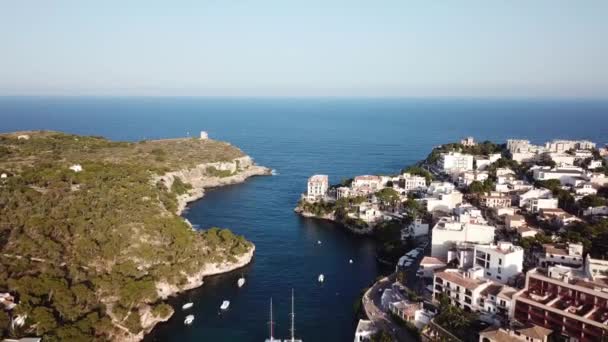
(205, 176)
(201, 176)
(331, 217)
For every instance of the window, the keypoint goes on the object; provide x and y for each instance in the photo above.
(488, 274)
(563, 258)
(498, 277)
(500, 261)
(499, 270)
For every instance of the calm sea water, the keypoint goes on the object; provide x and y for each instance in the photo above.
(298, 137)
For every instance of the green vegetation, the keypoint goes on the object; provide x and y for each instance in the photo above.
(179, 187)
(388, 196)
(419, 171)
(481, 149)
(454, 319)
(593, 236)
(86, 251)
(382, 336)
(477, 187)
(408, 326)
(215, 172)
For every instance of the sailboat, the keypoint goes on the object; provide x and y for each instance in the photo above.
(271, 325)
(293, 328)
(241, 281)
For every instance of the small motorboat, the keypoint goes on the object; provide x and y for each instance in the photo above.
(321, 278)
(241, 282)
(350, 261)
(318, 242)
(187, 306)
(189, 319)
(225, 305)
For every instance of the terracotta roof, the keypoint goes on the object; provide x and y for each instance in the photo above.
(427, 260)
(507, 292)
(497, 335)
(458, 279)
(492, 289)
(552, 249)
(535, 331)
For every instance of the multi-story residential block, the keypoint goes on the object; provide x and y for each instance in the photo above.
(449, 231)
(538, 204)
(483, 162)
(596, 211)
(462, 287)
(585, 189)
(594, 164)
(455, 162)
(536, 199)
(428, 266)
(317, 187)
(343, 192)
(566, 145)
(465, 179)
(501, 262)
(570, 254)
(563, 300)
(410, 182)
(495, 201)
(562, 159)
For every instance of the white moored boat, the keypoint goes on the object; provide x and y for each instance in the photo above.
(241, 282)
(187, 306)
(225, 305)
(321, 278)
(189, 319)
(350, 261)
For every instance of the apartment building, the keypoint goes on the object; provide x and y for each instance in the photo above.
(501, 262)
(455, 162)
(449, 231)
(565, 301)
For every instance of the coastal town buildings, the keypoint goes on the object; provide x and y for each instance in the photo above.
(501, 262)
(567, 145)
(373, 183)
(365, 330)
(451, 162)
(409, 182)
(318, 185)
(566, 175)
(527, 333)
(468, 141)
(442, 196)
(482, 163)
(416, 229)
(465, 179)
(563, 300)
(514, 221)
(569, 254)
(428, 266)
(535, 199)
(449, 230)
(495, 201)
(557, 217)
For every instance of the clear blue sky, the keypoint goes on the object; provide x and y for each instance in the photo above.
(305, 48)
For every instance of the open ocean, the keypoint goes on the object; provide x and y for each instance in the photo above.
(298, 137)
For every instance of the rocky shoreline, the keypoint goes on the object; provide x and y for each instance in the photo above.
(240, 170)
(331, 217)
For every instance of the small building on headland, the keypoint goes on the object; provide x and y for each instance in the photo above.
(318, 185)
(76, 168)
(204, 135)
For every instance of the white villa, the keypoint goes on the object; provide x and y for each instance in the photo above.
(501, 262)
(318, 185)
(449, 230)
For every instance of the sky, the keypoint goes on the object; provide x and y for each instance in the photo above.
(517, 48)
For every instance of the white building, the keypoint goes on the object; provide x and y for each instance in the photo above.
(522, 150)
(495, 201)
(562, 158)
(535, 199)
(570, 254)
(428, 266)
(343, 192)
(448, 231)
(596, 211)
(415, 229)
(374, 183)
(410, 182)
(204, 135)
(462, 287)
(483, 163)
(318, 185)
(594, 164)
(566, 175)
(501, 262)
(466, 178)
(365, 330)
(3, 175)
(585, 189)
(566, 145)
(514, 221)
(455, 162)
(442, 196)
(468, 141)
(23, 137)
(76, 168)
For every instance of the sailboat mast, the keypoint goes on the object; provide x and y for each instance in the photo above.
(293, 314)
(271, 323)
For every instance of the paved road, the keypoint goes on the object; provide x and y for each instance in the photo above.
(372, 305)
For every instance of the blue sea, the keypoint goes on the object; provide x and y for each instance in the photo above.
(298, 137)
